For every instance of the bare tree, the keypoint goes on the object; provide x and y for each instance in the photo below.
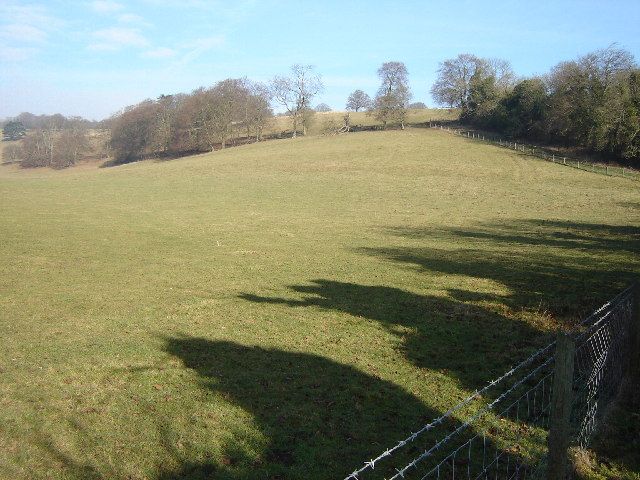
(165, 123)
(70, 144)
(37, 150)
(452, 86)
(358, 100)
(12, 153)
(602, 65)
(323, 108)
(456, 75)
(295, 93)
(256, 111)
(393, 95)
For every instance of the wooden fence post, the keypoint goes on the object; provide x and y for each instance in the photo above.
(562, 397)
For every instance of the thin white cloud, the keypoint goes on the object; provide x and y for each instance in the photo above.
(160, 52)
(24, 29)
(35, 15)
(22, 33)
(116, 38)
(200, 46)
(106, 6)
(15, 54)
(133, 19)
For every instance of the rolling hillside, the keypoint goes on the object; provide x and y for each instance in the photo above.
(283, 309)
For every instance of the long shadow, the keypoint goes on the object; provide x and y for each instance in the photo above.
(321, 419)
(565, 268)
(469, 343)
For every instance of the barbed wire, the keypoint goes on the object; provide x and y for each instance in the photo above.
(440, 420)
(510, 441)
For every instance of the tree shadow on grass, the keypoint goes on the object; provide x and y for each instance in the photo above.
(467, 342)
(321, 419)
(567, 268)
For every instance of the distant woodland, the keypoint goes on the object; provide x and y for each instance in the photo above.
(590, 103)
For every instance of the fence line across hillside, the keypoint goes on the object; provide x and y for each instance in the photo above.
(522, 424)
(543, 154)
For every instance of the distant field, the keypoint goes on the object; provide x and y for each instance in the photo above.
(362, 118)
(285, 309)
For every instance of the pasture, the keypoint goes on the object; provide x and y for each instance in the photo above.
(361, 119)
(285, 309)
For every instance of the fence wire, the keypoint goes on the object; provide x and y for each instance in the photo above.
(602, 352)
(544, 154)
(501, 430)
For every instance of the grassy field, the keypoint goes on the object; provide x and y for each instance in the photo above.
(320, 120)
(285, 309)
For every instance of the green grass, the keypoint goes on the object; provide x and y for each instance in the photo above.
(286, 309)
(319, 120)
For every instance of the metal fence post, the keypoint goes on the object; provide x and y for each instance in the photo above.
(559, 434)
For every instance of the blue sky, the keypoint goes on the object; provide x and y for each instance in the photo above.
(93, 57)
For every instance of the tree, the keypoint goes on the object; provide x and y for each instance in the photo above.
(358, 100)
(165, 125)
(453, 85)
(522, 113)
(132, 131)
(580, 89)
(256, 109)
(393, 95)
(12, 153)
(224, 111)
(13, 130)
(417, 106)
(484, 96)
(71, 142)
(38, 149)
(323, 107)
(295, 93)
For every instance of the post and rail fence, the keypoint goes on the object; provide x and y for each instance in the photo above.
(543, 154)
(522, 424)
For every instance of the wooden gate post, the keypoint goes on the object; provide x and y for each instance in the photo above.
(559, 432)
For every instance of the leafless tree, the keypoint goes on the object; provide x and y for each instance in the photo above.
(12, 153)
(358, 100)
(165, 123)
(295, 94)
(605, 63)
(453, 85)
(393, 96)
(256, 111)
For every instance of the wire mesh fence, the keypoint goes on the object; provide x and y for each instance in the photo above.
(602, 354)
(501, 431)
(544, 154)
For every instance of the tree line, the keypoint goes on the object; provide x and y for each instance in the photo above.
(231, 111)
(240, 110)
(52, 141)
(592, 102)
